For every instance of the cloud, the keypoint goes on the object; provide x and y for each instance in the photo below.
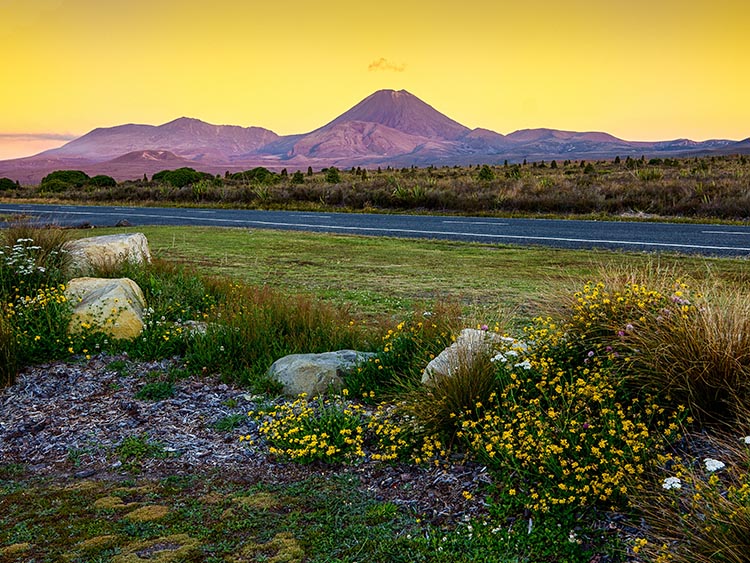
(385, 64)
(37, 136)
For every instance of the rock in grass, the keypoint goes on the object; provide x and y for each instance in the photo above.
(315, 374)
(470, 343)
(107, 252)
(112, 306)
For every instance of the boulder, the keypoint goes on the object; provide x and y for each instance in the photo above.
(315, 374)
(114, 306)
(107, 252)
(470, 343)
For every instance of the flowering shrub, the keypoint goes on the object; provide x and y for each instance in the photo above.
(560, 431)
(406, 351)
(692, 347)
(337, 429)
(31, 258)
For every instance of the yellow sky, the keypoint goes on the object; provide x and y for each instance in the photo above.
(641, 70)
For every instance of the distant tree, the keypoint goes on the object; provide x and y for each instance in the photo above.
(524, 162)
(589, 169)
(617, 159)
(284, 173)
(379, 170)
(309, 171)
(298, 178)
(486, 174)
(505, 164)
(258, 174)
(102, 181)
(145, 178)
(553, 164)
(333, 176)
(73, 178)
(180, 177)
(7, 184)
(363, 174)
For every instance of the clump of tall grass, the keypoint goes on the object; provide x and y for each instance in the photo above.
(698, 354)
(686, 341)
(251, 327)
(698, 510)
(404, 352)
(8, 352)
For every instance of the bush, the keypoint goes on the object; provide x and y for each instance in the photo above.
(559, 430)
(692, 348)
(180, 177)
(7, 184)
(102, 181)
(406, 351)
(332, 175)
(70, 178)
(31, 258)
(259, 175)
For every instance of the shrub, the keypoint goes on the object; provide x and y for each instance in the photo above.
(332, 175)
(180, 177)
(692, 348)
(7, 184)
(434, 407)
(697, 350)
(259, 174)
(31, 257)
(559, 430)
(102, 181)
(69, 178)
(486, 174)
(330, 429)
(405, 353)
(336, 430)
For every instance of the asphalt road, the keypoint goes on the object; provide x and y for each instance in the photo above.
(719, 240)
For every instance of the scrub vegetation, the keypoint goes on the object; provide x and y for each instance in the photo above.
(713, 187)
(612, 414)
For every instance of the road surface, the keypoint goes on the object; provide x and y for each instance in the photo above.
(719, 240)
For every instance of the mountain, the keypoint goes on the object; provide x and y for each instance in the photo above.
(388, 127)
(189, 138)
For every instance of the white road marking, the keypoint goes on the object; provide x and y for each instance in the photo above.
(407, 231)
(746, 233)
(476, 223)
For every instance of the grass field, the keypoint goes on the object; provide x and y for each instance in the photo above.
(385, 276)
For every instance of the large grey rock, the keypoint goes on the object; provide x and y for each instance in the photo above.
(468, 345)
(108, 251)
(112, 306)
(315, 374)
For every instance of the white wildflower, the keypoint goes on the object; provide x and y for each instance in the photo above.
(672, 483)
(746, 439)
(526, 364)
(713, 464)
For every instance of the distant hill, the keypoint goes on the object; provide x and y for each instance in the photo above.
(387, 128)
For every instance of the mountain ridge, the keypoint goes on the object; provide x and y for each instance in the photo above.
(387, 127)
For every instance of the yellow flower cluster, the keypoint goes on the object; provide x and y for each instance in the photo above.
(29, 304)
(338, 429)
(563, 425)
